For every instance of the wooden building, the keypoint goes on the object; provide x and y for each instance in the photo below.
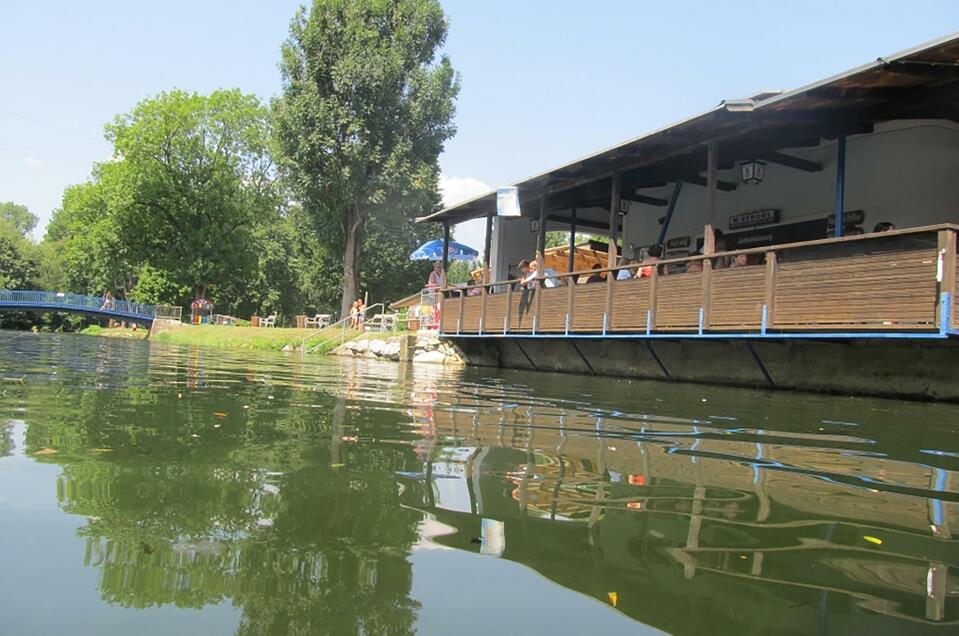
(765, 208)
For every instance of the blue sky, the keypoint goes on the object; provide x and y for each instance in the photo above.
(543, 82)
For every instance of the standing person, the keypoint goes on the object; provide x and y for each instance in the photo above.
(360, 313)
(435, 283)
(354, 315)
(437, 279)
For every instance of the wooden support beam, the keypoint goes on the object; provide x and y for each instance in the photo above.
(592, 225)
(645, 200)
(487, 247)
(792, 162)
(725, 186)
(540, 261)
(572, 240)
(712, 179)
(614, 199)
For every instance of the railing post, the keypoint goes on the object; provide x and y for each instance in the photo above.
(571, 284)
(707, 277)
(610, 293)
(482, 322)
(462, 304)
(946, 270)
(653, 284)
(539, 286)
(769, 298)
(509, 307)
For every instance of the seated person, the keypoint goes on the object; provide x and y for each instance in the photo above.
(694, 266)
(624, 274)
(595, 277)
(884, 226)
(653, 255)
(740, 260)
(472, 288)
(552, 278)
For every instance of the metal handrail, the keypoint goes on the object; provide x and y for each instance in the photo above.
(77, 302)
(780, 247)
(342, 332)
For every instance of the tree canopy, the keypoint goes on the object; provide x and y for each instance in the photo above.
(18, 217)
(364, 115)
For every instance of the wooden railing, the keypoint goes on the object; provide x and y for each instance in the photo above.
(891, 281)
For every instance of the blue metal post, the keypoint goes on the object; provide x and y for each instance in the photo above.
(669, 211)
(840, 183)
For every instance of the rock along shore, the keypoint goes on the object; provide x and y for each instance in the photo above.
(420, 349)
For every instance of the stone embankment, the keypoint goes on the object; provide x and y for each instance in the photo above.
(426, 349)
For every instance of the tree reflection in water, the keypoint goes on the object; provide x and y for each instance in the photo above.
(296, 490)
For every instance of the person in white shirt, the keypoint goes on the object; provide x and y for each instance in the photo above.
(437, 279)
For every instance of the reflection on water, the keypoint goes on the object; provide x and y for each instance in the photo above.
(318, 496)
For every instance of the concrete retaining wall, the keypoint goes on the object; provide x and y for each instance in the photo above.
(890, 368)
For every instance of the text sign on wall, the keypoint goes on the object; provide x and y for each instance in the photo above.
(754, 218)
(507, 201)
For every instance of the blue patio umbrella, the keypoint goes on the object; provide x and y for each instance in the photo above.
(433, 251)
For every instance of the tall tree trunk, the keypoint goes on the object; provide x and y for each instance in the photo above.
(353, 225)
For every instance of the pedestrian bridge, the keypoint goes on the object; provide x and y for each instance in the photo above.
(96, 306)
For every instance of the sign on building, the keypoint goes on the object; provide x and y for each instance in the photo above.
(507, 201)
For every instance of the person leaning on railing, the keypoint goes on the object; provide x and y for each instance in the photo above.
(649, 264)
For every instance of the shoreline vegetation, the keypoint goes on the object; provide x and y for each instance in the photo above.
(230, 337)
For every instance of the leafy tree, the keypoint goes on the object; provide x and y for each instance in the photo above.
(197, 170)
(19, 262)
(87, 234)
(18, 217)
(364, 115)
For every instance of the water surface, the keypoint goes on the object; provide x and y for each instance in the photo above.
(152, 489)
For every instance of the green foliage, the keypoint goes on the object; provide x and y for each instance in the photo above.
(154, 286)
(364, 116)
(196, 171)
(460, 272)
(557, 239)
(18, 217)
(19, 260)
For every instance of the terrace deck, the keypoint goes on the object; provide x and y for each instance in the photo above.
(894, 284)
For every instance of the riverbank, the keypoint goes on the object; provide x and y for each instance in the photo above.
(218, 336)
(407, 347)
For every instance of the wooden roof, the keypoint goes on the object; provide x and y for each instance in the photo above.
(917, 83)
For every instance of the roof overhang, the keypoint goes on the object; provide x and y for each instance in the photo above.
(922, 82)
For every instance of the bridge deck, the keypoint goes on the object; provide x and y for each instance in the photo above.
(78, 303)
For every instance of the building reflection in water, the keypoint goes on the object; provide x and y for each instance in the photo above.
(696, 528)
(298, 494)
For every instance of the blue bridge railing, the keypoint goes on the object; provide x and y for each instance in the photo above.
(78, 303)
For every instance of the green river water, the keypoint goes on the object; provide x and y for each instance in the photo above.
(150, 489)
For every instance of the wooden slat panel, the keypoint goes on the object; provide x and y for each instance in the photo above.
(630, 304)
(521, 311)
(589, 307)
(887, 290)
(472, 309)
(450, 314)
(678, 299)
(495, 312)
(552, 311)
(737, 298)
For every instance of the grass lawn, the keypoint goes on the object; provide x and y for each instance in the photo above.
(224, 337)
(116, 332)
(249, 338)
